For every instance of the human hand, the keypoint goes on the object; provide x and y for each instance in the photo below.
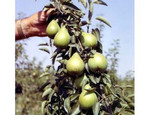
(34, 25)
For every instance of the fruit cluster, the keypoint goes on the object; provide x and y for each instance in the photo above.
(75, 66)
(81, 79)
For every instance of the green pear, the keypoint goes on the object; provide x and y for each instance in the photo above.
(87, 99)
(52, 28)
(62, 38)
(98, 63)
(75, 65)
(88, 40)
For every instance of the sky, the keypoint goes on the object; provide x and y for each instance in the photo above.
(120, 14)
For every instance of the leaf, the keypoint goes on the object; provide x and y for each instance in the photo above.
(44, 103)
(127, 86)
(108, 78)
(87, 67)
(93, 52)
(99, 47)
(97, 79)
(103, 20)
(117, 110)
(104, 80)
(43, 44)
(131, 95)
(75, 109)
(46, 92)
(85, 81)
(99, 2)
(52, 70)
(44, 74)
(131, 105)
(50, 95)
(72, 45)
(82, 23)
(84, 3)
(45, 49)
(44, 85)
(108, 85)
(67, 105)
(70, 6)
(96, 108)
(73, 97)
(127, 99)
(90, 11)
(96, 33)
(90, 90)
(131, 111)
(92, 78)
(52, 15)
(47, 7)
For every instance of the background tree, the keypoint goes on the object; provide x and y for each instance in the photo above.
(112, 56)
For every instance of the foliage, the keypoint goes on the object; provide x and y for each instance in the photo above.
(112, 57)
(61, 95)
(28, 97)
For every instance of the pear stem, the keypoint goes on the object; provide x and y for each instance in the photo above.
(80, 45)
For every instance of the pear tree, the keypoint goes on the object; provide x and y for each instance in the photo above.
(80, 85)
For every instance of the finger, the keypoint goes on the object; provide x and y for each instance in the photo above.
(49, 11)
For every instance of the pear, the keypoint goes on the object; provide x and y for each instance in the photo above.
(87, 99)
(88, 40)
(75, 65)
(52, 28)
(98, 63)
(62, 38)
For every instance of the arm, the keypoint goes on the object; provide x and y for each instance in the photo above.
(34, 25)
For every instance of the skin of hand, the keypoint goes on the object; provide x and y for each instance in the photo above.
(34, 25)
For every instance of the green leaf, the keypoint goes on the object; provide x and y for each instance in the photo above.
(46, 92)
(50, 95)
(108, 78)
(67, 105)
(127, 99)
(73, 97)
(44, 74)
(43, 44)
(97, 79)
(131, 95)
(72, 45)
(117, 110)
(70, 6)
(103, 20)
(44, 103)
(44, 85)
(75, 109)
(97, 34)
(52, 70)
(104, 80)
(96, 108)
(99, 2)
(131, 105)
(92, 78)
(90, 90)
(45, 50)
(85, 81)
(84, 3)
(87, 67)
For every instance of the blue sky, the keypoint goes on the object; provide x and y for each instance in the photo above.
(120, 14)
